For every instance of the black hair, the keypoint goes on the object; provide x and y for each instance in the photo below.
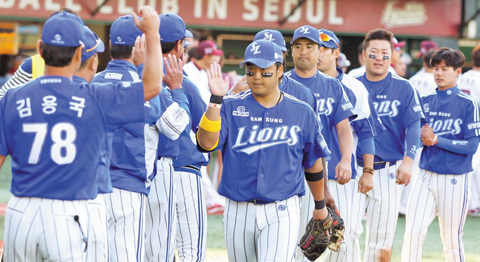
(196, 35)
(167, 47)
(452, 58)
(58, 56)
(378, 34)
(65, 10)
(84, 63)
(427, 57)
(121, 51)
(360, 48)
(192, 53)
(476, 56)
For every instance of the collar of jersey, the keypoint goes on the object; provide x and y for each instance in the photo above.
(445, 94)
(340, 74)
(306, 79)
(78, 79)
(121, 64)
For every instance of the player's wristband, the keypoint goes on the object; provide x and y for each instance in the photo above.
(209, 125)
(435, 140)
(215, 105)
(368, 170)
(319, 204)
(216, 99)
(313, 177)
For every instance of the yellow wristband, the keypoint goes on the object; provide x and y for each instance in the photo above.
(209, 125)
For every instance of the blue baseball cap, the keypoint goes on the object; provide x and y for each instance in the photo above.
(329, 39)
(63, 29)
(124, 31)
(172, 28)
(273, 36)
(263, 54)
(93, 44)
(188, 34)
(308, 32)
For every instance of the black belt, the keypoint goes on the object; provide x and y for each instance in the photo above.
(259, 202)
(379, 165)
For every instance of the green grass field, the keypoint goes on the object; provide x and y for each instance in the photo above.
(216, 252)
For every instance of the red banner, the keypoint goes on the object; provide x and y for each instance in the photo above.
(421, 17)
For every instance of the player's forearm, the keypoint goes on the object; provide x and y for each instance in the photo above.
(206, 139)
(2, 160)
(368, 160)
(412, 139)
(465, 147)
(345, 139)
(153, 70)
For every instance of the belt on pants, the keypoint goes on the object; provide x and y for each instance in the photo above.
(259, 202)
(379, 165)
(165, 159)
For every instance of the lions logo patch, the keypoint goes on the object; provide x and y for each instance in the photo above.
(282, 207)
(392, 175)
(453, 181)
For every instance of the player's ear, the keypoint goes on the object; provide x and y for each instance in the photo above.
(458, 72)
(39, 47)
(336, 53)
(280, 72)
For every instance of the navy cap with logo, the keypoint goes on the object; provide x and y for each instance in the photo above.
(273, 36)
(172, 28)
(308, 32)
(124, 31)
(93, 44)
(329, 39)
(263, 54)
(63, 29)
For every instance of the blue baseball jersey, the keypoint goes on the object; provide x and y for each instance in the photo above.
(188, 153)
(366, 125)
(54, 129)
(333, 105)
(299, 91)
(127, 151)
(265, 150)
(453, 115)
(166, 146)
(397, 104)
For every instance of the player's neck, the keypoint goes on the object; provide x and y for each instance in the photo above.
(375, 78)
(202, 64)
(476, 68)
(428, 70)
(332, 71)
(269, 100)
(306, 73)
(59, 71)
(447, 87)
(83, 73)
(130, 60)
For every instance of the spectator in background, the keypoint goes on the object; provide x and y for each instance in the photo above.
(469, 83)
(359, 70)
(343, 62)
(193, 38)
(397, 63)
(191, 54)
(423, 81)
(206, 54)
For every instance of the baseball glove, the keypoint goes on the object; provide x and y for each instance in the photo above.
(337, 230)
(316, 238)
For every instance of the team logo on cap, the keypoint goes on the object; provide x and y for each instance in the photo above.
(269, 36)
(304, 30)
(254, 49)
(57, 39)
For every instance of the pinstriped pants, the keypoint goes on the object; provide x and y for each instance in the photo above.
(436, 194)
(160, 215)
(126, 213)
(39, 229)
(191, 217)
(261, 233)
(98, 230)
(383, 204)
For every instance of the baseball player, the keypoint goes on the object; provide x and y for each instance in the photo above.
(161, 202)
(468, 83)
(334, 108)
(450, 137)
(126, 203)
(398, 107)
(262, 210)
(48, 122)
(347, 197)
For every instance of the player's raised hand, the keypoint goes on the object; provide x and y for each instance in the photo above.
(218, 86)
(240, 86)
(150, 22)
(139, 51)
(174, 73)
(343, 172)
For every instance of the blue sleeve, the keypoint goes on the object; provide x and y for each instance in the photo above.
(344, 108)
(472, 120)
(412, 110)
(121, 103)
(366, 145)
(412, 139)
(3, 138)
(197, 106)
(152, 110)
(315, 146)
(27, 65)
(464, 147)
(140, 70)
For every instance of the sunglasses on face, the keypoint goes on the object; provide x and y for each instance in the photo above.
(326, 38)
